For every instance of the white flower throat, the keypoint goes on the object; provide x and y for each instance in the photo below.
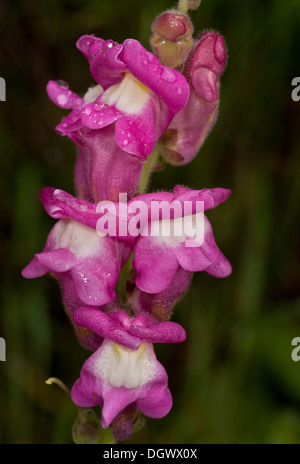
(130, 96)
(123, 367)
(81, 240)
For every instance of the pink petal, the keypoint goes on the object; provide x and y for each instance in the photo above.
(59, 93)
(163, 332)
(106, 66)
(157, 403)
(210, 197)
(60, 204)
(96, 115)
(105, 326)
(95, 278)
(86, 391)
(154, 264)
(115, 400)
(103, 169)
(169, 84)
(207, 257)
(137, 134)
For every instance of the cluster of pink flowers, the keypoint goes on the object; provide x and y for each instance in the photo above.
(141, 102)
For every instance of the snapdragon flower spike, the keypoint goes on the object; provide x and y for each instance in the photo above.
(124, 370)
(76, 252)
(190, 127)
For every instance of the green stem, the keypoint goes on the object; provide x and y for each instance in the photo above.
(147, 169)
(123, 277)
(183, 6)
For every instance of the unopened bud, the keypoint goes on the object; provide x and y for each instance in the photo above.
(87, 428)
(208, 62)
(127, 422)
(190, 127)
(172, 39)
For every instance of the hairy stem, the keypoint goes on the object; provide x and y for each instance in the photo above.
(147, 169)
(183, 6)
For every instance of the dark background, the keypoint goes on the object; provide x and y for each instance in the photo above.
(233, 380)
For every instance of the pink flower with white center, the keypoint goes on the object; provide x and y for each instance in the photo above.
(157, 257)
(140, 94)
(118, 121)
(79, 257)
(124, 369)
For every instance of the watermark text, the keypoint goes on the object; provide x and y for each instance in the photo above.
(2, 89)
(2, 349)
(172, 222)
(296, 90)
(296, 351)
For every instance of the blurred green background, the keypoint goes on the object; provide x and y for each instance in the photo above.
(233, 380)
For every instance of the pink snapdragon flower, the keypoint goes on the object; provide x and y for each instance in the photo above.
(118, 121)
(190, 127)
(124, 369)
(79, 257)
(140, 94)
(157, 257)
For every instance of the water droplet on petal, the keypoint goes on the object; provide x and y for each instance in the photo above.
(179, 90)
(87, 110)
(62, 83)
(62, 99)
(167, 75)
(125, 142)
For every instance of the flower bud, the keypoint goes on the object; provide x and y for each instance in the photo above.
(127, 422)
(172, 38)
(87, 428)
(190, 127)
